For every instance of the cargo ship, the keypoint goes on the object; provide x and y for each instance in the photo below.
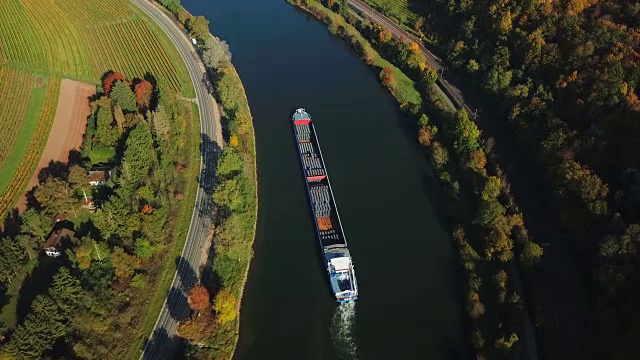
(342, 276)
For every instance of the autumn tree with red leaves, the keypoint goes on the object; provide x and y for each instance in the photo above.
(387, 77)
(110, 80)
(198, 298)
(144, 91)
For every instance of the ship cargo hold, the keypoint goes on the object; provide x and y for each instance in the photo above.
(333, 243)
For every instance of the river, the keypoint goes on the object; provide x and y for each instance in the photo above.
(389, 200)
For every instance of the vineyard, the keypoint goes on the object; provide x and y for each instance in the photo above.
(15, 89)
(14, 185)
(43, 41)
(110, 43)
(80, 40)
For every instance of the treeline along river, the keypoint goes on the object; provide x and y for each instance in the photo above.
(389, 201)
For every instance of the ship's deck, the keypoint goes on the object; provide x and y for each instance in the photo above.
(324, 209)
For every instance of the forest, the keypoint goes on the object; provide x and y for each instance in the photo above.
(116, 237)
(561, 77)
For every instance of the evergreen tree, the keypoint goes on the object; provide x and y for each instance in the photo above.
(105, 131)
(124, 96)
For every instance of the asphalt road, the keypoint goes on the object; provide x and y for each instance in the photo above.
(453, 92)
(163, 341)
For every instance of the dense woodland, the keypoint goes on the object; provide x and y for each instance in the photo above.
(563, 75)
(93, 301)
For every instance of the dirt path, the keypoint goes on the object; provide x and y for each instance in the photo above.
(68, 128)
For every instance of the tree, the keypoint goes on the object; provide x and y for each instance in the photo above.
(198, 298)
(160, 123)
(498, 245)
(230, 239)
(123, 263)
(491, 188)
(78, 176)
(489, 211)
(229, 164)
(11, 258)
(56, 197)
(230, 194)
(171, 5)
(531, 253)
(138, 154)
(30, 244)
(385, 36)
(465, 134)
(425, 134)
(233, 141)
(123, 96)
(504, 345)
(500, 279)
(144, 93)
(105, 131)
(110, 79)
(474, 307)
(143, 248)
(428, 77)
(476, 339)
(121, 120)
(198, 329)
(112, 218)
(216, 52)
(439, 155)
(477, 160)
(85, 252)
(198, 27)
(183, 16)
(35, 223)
(473, 66)
(225, 305)
(48, 319)
(387, 77)
(417, 26)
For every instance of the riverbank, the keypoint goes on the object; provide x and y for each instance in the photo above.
(480, 203)
(214, 334)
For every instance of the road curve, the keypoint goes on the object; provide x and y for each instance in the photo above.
(453, 92)
(163, 341)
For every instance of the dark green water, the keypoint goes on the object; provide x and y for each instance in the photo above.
(388, 199)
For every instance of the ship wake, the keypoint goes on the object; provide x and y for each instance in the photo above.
(343, 326)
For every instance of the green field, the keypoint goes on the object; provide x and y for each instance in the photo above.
(43, 41)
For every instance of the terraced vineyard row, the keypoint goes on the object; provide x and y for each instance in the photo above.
(100, 11)
(60, 39)
(36, 145)
(111, 43)
(15, 87)
(19, 37)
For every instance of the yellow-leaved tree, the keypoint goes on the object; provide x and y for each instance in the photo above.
(225, 305)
